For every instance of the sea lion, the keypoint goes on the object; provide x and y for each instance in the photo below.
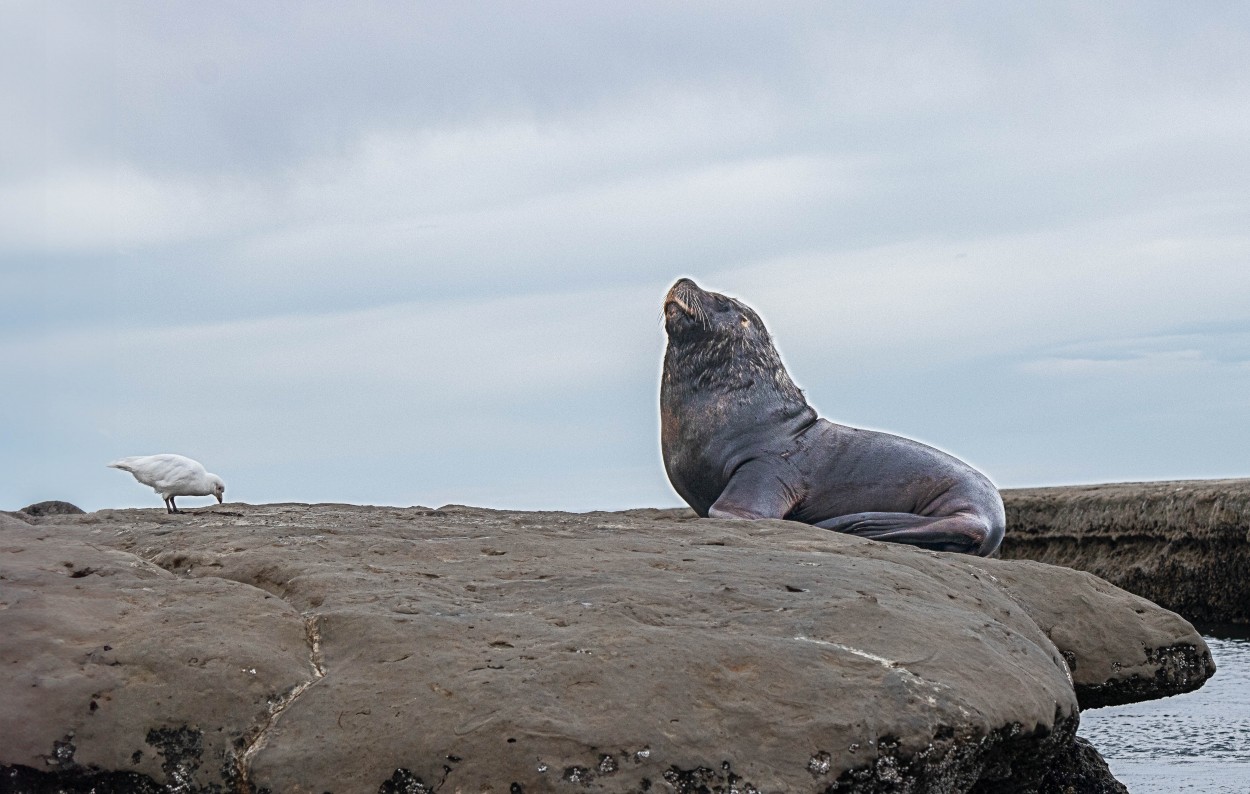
(740, 441)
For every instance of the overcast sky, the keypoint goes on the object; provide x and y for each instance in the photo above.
(414, 253)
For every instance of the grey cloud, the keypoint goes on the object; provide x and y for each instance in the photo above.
(246, 88)
(306, 239)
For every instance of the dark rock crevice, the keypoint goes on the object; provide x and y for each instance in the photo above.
(20, 779)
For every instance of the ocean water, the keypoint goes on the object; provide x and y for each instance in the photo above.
(1197, 742)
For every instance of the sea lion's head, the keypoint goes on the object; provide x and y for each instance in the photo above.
(717, 342)
(695, 315)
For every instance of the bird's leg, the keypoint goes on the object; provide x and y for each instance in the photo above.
(173, 507)
(168, 509)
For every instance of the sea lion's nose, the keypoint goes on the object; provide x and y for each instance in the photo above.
(682, 287)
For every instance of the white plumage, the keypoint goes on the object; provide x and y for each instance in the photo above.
(172, 475)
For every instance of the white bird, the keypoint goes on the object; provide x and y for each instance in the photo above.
(172, 475)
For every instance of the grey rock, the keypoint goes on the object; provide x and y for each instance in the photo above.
(52, 508)
(13, 520)
(105, 654)
(1147, 653)
(312, 648)
(1184, 545)
(1081, 770)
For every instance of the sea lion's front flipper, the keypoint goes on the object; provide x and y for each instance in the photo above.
(756, 490)
(962, 532)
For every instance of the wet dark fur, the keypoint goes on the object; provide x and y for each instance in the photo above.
(740, 441)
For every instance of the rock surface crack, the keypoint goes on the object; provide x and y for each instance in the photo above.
(316, 661)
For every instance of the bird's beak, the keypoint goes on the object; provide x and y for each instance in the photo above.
(218, 498)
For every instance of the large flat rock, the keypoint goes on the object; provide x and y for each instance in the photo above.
(107, 657)
(315, 648)
(1183, 544)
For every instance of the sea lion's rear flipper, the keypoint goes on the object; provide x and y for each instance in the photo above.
(757, 489)
(962, 532)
